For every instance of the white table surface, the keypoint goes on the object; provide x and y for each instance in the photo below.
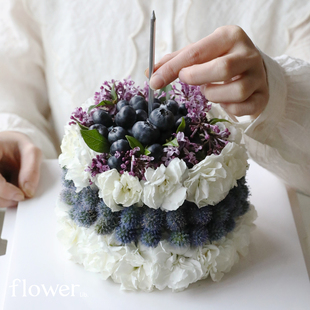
(272, 276)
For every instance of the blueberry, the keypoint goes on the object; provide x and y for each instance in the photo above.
(121, 104)
(121, 145)
(141, 115)
(182, 109)
(126, 117)
(101, 129)
(130, 131)
(156, 151)
(155, 104)
(115, 163)
(162, 118)
(102, 117)
(187, 130)
(145, 132)
(172, 106)
(117, 133)
(164, 136)
(138, 102)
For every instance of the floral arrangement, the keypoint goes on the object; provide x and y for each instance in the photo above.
(169, 182)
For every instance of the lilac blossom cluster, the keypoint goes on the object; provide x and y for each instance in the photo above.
(196, 103)
(135, 163)
(99, 164)
(185, 150)
(81, 116)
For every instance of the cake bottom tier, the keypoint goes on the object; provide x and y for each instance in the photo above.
(137, 267)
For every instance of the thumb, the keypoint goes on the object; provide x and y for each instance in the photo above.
(30, 164)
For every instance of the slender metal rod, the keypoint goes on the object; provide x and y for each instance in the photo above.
(151, 59)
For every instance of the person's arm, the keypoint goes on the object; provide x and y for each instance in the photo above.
(24, 109)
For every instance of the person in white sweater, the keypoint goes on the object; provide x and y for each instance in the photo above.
(54, 54)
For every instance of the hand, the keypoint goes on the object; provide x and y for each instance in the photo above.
(20, 162)
(228, 67)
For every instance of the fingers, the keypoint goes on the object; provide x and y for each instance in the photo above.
(217, 70)
(208, 48)
(252, 106)
(9, 194)
(7, 203)
(28, 179)
(236, 91)
(163, 61)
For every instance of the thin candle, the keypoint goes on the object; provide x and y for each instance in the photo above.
(151, 59)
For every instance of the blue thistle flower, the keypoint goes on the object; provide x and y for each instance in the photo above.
(199, 216)
(216, 230)
(125, 235)
(105, 226)
(89, 197)
(176, 220)
(244, 192)
(220, 212)
(230, 225)
(153, 219)
(230, 201)
(131, 217)
(68, 196)
(199, 235)
(71, 214)
(244, 207)
(150, 238)
(85, 215)
(66, 183)
(179, 238)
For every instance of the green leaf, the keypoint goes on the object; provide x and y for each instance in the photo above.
(81, 126)
(166, 89)
(218, 120)
(133, 142)
(102, 103)
(173, 142)
(95, 141)
(113, 93)
(147, 152)
(182, 125)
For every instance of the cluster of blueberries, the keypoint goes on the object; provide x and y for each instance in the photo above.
(132, 119)
(189, 225)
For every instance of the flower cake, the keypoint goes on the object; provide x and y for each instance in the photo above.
(158, 200)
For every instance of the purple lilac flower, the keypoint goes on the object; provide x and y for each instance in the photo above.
(170, 152)
(196, 103)
(99, 164)
(134, 163)
(82, 117)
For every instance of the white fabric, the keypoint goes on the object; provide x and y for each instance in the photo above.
(54, 54)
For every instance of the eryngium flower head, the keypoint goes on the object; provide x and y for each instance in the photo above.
(199, 235)
(179, 238)
(150, 238)
(152, 219)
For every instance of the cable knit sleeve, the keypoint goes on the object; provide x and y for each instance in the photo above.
(279, 138)
(23, 94)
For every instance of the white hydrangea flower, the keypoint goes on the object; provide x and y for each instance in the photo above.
(118, 189)
(76, 157)
(236, 157)
(211, 179)
(163, 187)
